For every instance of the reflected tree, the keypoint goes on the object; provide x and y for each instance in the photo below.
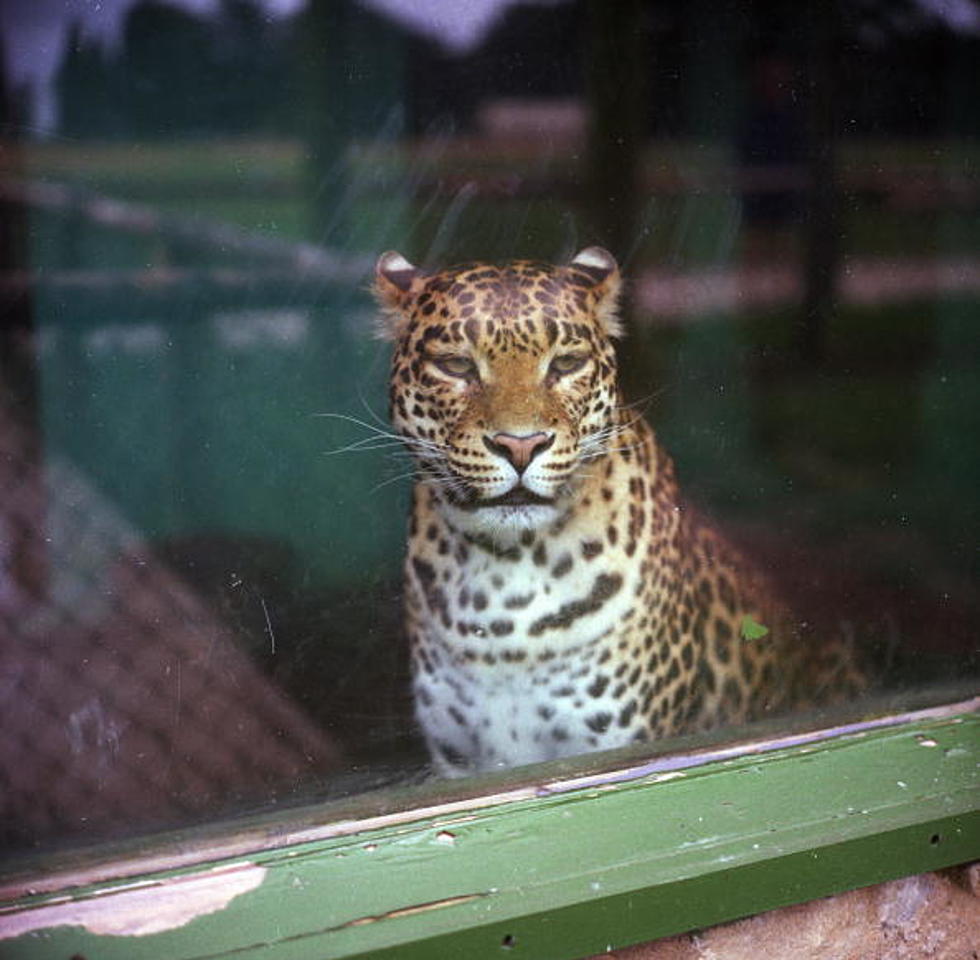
(166, 54)
(89, 88)
(179, 73)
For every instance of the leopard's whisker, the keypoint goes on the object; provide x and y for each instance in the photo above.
(378, 438)
(384, 483)
(359, 446)
(643, 403)
(374, 416)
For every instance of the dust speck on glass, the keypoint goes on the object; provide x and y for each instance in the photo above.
(662, 417)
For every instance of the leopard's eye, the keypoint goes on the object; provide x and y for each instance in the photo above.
(462, 367)
(566, 363)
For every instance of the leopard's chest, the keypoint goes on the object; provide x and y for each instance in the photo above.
(517, 649)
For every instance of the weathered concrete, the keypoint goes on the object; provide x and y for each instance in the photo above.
(926, 917)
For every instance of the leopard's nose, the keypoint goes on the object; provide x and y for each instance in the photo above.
(519, 450)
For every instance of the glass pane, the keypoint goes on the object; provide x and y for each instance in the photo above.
(203, 503)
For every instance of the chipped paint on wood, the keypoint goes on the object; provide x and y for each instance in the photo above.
(416, 909)
(145, 909)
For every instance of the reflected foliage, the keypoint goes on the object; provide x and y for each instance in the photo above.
(168, 76)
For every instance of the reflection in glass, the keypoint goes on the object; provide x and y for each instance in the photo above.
(202, 522)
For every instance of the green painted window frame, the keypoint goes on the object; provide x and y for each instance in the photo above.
(562, 860)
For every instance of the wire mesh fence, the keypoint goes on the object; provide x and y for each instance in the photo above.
(124, 700)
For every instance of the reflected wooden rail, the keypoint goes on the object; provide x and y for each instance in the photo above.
(192, 233)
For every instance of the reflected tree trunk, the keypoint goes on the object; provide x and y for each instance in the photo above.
(23, 511)
(821, 239)
(616, 70)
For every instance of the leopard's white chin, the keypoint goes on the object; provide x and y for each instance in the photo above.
(504, 524)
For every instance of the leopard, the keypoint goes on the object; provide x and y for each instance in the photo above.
(561, 595)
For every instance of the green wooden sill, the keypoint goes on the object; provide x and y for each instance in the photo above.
(561, 863)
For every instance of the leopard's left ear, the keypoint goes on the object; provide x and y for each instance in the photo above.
(396, 282)
(601, 268)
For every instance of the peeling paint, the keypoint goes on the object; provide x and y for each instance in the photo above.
(411, 911)
(138, 912)
(664, 777)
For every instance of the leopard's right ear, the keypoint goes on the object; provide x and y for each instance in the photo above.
(396, 282)
(600, 267)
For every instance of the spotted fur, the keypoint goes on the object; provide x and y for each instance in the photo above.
(560, 597)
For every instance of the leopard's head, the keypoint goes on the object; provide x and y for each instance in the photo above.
(503, 380)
